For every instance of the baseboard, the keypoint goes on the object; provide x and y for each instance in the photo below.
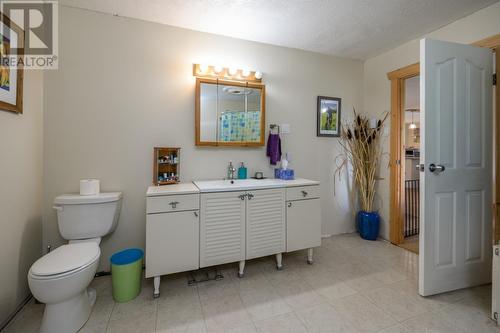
(326, 236)
(13, 315)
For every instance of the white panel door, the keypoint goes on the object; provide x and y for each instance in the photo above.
(265, 223)
(456, 142)
(222, 228)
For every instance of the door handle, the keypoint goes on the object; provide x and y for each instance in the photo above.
(289, 204)
(242, 196)
(304, 194)
(250, 196)
(420, 167)
(436, 168)
(174, 204)
(195, 214)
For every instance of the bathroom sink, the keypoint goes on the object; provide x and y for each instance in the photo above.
(237, 184)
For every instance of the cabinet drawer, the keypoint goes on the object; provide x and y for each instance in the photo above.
(302, 192)
(172, 203)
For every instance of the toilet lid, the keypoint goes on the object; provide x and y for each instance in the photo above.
(66, 258)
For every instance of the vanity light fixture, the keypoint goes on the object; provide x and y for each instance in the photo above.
(232, 71)
(204, 67)
(226, 73)
(218, 69)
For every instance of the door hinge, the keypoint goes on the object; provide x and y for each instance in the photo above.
(398, 162)
(495, 79)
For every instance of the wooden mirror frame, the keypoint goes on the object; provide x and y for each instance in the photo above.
(262, 88)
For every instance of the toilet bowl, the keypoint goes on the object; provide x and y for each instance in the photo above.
(60, 280)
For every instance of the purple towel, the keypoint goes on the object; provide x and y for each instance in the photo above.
(274, 148)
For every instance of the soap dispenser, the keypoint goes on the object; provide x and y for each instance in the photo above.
(242, 171)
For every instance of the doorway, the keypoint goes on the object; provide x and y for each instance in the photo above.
(410, 161)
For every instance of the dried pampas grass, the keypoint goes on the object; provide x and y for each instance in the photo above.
(361, 148)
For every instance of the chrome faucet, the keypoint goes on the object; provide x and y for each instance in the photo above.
(231, 171)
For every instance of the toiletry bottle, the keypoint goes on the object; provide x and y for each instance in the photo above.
(242, 171)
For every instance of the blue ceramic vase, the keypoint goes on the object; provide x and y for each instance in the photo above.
(368, 224)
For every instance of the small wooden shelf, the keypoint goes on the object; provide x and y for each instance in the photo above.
(168, 182)
(166, 165)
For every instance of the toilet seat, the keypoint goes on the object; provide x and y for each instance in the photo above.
(66, 259)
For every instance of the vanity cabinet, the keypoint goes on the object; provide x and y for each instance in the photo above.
(241, 225)
(208, 223)
(303, 219)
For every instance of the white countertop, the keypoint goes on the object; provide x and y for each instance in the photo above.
(206, 186)
(181, 188)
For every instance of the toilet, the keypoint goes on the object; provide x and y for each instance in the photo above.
(60, 279)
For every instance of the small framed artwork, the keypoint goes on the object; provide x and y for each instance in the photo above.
(328, 116)
(11, 77)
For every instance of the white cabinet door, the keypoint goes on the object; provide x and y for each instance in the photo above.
(172, 242)
(222, 228)
(303, 224)
(265, 223)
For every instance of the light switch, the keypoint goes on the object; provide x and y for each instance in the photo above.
(285, 128)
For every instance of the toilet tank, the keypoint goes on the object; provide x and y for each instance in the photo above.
(87, 216)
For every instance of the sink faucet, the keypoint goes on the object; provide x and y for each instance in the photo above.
(230, 171)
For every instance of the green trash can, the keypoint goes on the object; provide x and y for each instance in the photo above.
(126, 274)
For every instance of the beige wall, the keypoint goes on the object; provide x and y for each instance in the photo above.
(479, 25)
(20, 194)
(124, 86)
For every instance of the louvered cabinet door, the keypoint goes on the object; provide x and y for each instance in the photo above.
(222, 228)
(265, 223)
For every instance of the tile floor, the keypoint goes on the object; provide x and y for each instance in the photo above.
(354, 286)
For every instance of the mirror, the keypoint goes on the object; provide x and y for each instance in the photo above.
(229, 113)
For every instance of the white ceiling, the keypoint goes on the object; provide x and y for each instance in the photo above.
(348, 28)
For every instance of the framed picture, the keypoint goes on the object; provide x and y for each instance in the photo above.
(328, 116)
(11, 78)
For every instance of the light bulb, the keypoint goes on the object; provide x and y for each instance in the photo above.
(258, 75)
(412, 126)
(218, 69)
(232, 71)
(203, 68)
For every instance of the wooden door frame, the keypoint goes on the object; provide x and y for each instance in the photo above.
(397, 78)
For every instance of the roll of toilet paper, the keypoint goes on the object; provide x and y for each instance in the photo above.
(89, 186)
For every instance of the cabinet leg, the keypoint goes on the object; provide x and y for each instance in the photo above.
(279, 259)
(310, 253)
(241, 271)
(156, 283)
